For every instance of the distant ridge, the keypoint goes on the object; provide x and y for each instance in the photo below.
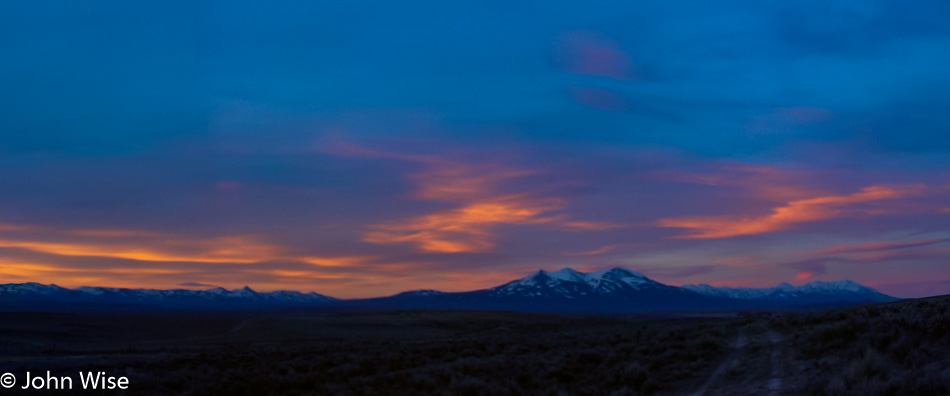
(622, 290)
(845, 290)
(622, 281)
(566, 290)
(24, 296)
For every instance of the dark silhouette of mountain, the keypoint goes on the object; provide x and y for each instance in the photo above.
(621, 290)
(613, 290)
(35, 296)
(814, 293)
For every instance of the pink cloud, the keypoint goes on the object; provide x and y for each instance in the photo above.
(879, 246)
(481, 204)
(602, 250)
(585, 52)
(804, 275)
(793, 212)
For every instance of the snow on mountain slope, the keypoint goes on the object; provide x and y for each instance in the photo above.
(624, 287)
(210, 298)
(30, 288)
(607, 281)
(844, 290)
(569, 283)
(422, 293)
(566, 290)
(568, 274)
(543, 284)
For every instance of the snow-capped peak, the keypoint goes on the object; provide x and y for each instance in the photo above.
(835, 285)
(615, 274)
(90, 290)
(541, 277)
(845, 289)
(570, 283)
(171, 298)
(568, 274)
(30, 288)
(422, 293)
(243, 292)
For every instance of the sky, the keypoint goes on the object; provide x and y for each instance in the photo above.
(367, 147)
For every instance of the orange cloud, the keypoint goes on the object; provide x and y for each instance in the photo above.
(477, 189)
(176, 248)
(881, 251)
(217, 250)
(878, 246)
(604, 249)
(804, 275)
(591, 225)
(335, 261)
(12, 227)
(455, 182)
(794, 212)
(465, 229)
(151, 259)
(145, 259)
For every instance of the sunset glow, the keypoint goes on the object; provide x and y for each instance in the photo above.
(344, 153)
(794, 212)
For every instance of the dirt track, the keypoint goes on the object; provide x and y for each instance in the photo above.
(755, 366)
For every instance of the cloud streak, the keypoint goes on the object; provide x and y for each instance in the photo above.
(482, 194)
(794, 212)
(872, 247)
(595, 252)
(467, 229)
(132, 258)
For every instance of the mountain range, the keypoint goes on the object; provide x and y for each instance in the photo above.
(35, 296)
(567, 290)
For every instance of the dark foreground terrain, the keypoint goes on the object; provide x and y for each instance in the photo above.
(894, 348)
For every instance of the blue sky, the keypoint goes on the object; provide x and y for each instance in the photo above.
(363, 148)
